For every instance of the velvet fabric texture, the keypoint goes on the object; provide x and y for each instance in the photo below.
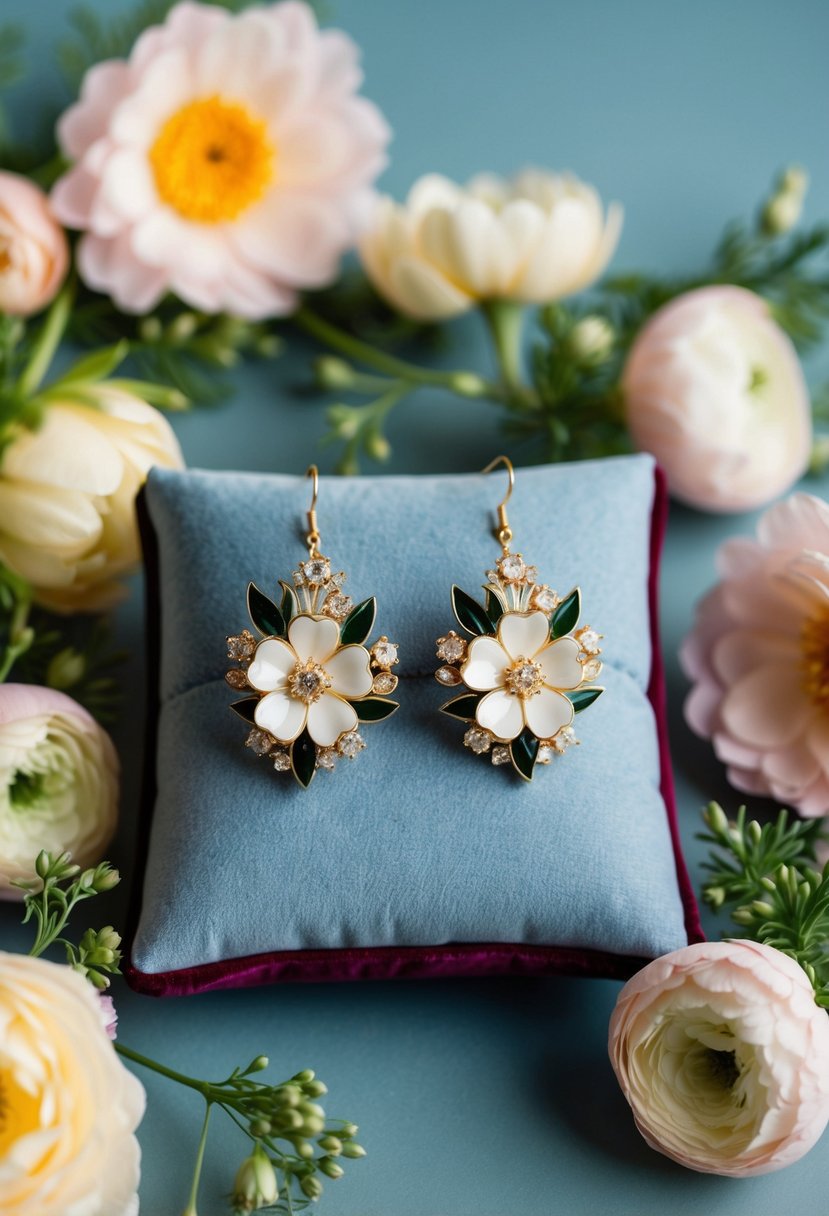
(418, 857)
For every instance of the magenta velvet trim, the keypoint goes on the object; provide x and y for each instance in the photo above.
(453, 959)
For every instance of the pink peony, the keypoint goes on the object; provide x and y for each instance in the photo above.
(758, 655)
(713, 388)
(34, 255)
(723, 1055)
(229, 160)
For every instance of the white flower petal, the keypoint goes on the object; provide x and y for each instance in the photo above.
(282, 716)
(328, 718)
(547, 712)
(485, 665)
(272, 664)
(350, 671)
(560, 664)
(68, 451)
(500, 712)
(313, 637)
(522, 634)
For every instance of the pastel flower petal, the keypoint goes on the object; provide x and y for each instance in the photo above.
(547, 712)
(272, 664)
(282, 716)
(560, 664)
(500, 712)
(767, 707)
(313, 637)
(485, 665)
(328, 718)
(350, 671)
(522, 634)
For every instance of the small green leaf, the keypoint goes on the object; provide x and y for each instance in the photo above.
(289, 606)
(583, 697)
(462, 707)
(524, 751)
(304, 759)
(359, 623)
(245, 709)
(566, 616)
(374, 709)
(264, 613)
(470, 615)
(494, 607)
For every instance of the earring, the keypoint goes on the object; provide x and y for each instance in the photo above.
(527, 669)
(311, 678)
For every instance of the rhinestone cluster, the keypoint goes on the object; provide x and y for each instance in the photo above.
(483, 742)
(319, 588)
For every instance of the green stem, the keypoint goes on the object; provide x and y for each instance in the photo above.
(47, 343)
(201, 1087)
(505, 319)
(190, 1210)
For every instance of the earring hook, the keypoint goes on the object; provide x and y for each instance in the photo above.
(503, 533)
(313, 537)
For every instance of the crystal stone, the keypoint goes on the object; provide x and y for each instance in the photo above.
(545, 754)
(281, 760)
(308, 682)
(451, 648)
(591, 669)
(326, 758)
(511, 567)
(384, 653)
(565, 738)
(544, 599)
(236, 678)
(384, 683)
(524, 678)
(588, 639)
(241, 646)
(478, 740)
(316, 571)
(351, 744)
(338, 606)
(501, 754)
(450, 676)
(259, 741)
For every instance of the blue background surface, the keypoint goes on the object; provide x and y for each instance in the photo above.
(483, 1098)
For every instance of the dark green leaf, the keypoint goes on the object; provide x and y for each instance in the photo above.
(245, 709)
(264, 613)
(304, 759)
(359, 623)
(374, 709)
(289, 606)
(494, 607)
(524, 751)
(470, 615)
(462, 707)
(566, 616)
(584, 697)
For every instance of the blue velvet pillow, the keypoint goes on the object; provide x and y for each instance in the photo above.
(419, 857)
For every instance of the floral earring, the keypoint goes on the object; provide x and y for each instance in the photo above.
(528, 668)
(312, 680)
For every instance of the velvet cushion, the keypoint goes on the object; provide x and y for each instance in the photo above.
(418, 857)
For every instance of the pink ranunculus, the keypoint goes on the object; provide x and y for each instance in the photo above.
(229, 160)
(758, 656)
(723, 1055)
(34, 255)
(714, 390)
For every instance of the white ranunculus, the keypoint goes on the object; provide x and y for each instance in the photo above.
(723, 1055)
(69, 1107)
(67, 496)
(533, 240)
(58, 782)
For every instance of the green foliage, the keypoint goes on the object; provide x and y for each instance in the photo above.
(78, 656)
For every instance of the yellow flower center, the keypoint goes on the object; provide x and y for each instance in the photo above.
(19, 1112)
(524, 678)
(814, 649)
(212, 159)
(308, 681)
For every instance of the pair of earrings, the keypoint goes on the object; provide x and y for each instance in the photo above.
(313, 680)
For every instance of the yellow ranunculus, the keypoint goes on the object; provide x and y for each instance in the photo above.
(67, 496)
(69, 1107)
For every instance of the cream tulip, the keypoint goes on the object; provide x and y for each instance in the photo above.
(533, 240)
(67, 497)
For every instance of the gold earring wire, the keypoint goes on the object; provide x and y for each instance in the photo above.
(313, 538)
(503, 532)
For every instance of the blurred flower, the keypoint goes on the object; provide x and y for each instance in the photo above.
(34, 255)
(110, 1014)
(228, 160)
(255, 1186)
(723, 1055)
(67, 496)
(591, 340)
(536, 239)
(58, 782)
(70, 1108)
(783, 209)
(713, 388)
(758, 655)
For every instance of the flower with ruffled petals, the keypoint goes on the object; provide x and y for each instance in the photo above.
(714, 390)
(34, 255)
(228, 160)
(69, 1107)
(308, 680)
(533, 240)
(524, 675)
(759, 658)
(723, 1055)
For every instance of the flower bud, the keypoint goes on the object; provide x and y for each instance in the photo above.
(761, 908)
(334, 373)
(311, 1186)
(288, 1095)
(332, 1145)
(66, 668)
(330, 1168)
(591, 340)
(260, 1127)
(255, 1186)
(468, 384)
(781, 213)
(377, 446)
(182, 327)
(743, 916)
(349, 1129)
(313, 1125)
(312, 1108)
(42, 864)
(257, 1065)
(315, 1089)
(106, 878)
(290, 1120)
(352, 1150)
(754, 831)
(304, 1148)
(343, 420)
(715, 896)
(716, 817)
